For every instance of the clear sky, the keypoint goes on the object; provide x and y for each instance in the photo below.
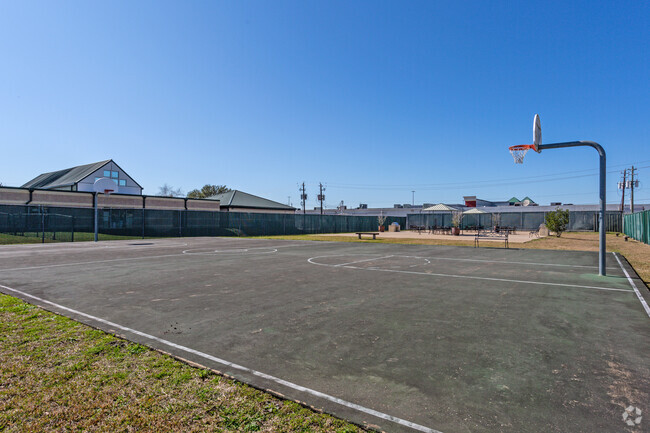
(373, 98)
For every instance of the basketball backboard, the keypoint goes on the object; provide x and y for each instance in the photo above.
(105, 186)
(537, 133)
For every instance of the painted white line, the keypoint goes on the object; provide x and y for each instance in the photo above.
(495, 279)
(365, 260)
(231, 252)
(636, 290)
(234, 250)
(27, 268)
(87, 246)
(90, 262)
(277, 380)
(471, 277)
(518, 263)
(486, 261)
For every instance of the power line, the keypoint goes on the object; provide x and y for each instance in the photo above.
(443, 184)
(474, 184)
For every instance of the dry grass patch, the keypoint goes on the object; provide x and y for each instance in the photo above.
(60, 375)
(637, 253)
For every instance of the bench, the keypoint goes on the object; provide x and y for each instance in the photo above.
(491, 235)
(374, 234)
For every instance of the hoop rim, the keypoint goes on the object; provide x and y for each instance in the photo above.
(522, 147)
(108, 191)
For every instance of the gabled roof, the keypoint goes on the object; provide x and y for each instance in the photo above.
(66, 177)
(514, 200)
(440, 207)
(242, 199)
(530, 200)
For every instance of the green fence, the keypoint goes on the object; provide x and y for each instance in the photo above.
(578, 220)
(637, 226)
(58, 223)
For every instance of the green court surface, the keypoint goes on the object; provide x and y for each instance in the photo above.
(401, 338)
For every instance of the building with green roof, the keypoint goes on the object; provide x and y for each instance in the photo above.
(240, 201)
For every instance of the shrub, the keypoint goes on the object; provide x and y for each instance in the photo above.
(557, 220)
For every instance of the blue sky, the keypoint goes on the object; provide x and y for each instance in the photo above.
(374, 99)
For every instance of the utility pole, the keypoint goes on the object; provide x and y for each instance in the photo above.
(413, 198)
(321, 197)
(622, 186)
(303, 198)
(632, 189)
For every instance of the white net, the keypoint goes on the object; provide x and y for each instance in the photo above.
(518, 154)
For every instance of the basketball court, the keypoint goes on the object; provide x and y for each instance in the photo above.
(400, 337)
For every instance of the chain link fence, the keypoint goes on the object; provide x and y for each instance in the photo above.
(63, 224)
(36, 222)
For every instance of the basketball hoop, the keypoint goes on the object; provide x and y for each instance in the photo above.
(107, 186)
(519, 151)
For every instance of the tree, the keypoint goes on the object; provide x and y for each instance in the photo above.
(208, 191)
(557, 220)
(456, 218)
(169, 191)
(381, 219)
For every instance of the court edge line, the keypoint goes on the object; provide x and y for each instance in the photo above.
(92, 262)
(514, 263)
(636, 290)
(58, 247)
(613, 289)
(277, 380)
(479, 261)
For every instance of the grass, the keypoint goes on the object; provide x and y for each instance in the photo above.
(60, 375)
(36, 238)
(637, 253)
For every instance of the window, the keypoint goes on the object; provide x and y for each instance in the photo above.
(107, 173)
(114, 174)
(122, 182)
(114, 180)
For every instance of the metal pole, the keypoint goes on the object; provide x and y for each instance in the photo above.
(601, 217)
(96, 217)
(144, 198)
(602, 250)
